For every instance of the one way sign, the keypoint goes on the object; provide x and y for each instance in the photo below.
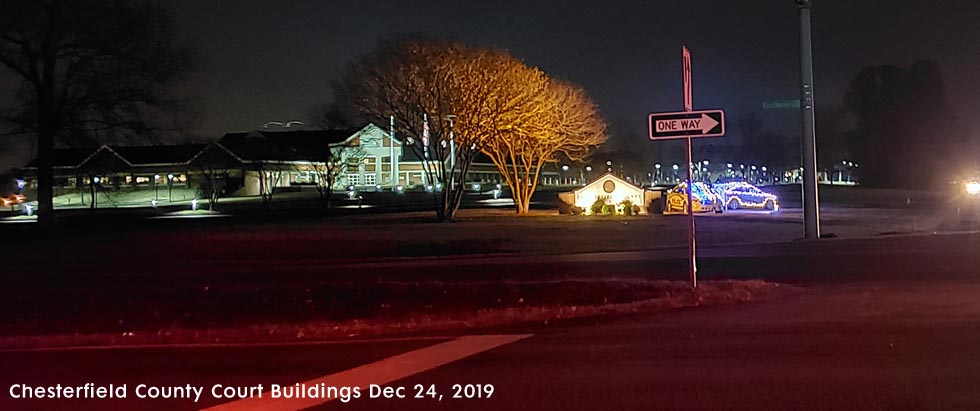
(684, 124)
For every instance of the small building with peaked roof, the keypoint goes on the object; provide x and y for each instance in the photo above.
(610, 189)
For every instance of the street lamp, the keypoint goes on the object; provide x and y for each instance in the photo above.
(170, 187)
(156, 187)
(656, 178)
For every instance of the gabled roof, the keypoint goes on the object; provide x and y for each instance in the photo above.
(606, 177)
(67, 157)
(131, 156)
(163, 154)
(302, 145)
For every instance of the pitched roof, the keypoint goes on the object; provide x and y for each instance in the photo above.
(606, 177)
(67, 157)
(132, 155)
(168, 154)
(308, 145)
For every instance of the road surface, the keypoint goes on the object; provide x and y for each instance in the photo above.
(904, 346)
(885, 324)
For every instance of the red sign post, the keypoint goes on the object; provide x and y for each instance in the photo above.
(686, 67)
(688, 124)
(692, 261)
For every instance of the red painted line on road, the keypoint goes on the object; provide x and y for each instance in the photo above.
(379, 372)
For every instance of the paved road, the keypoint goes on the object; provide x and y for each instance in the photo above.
(895, 346)
(907, 257)
(886, 324)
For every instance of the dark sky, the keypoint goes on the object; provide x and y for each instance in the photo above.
(270, 60)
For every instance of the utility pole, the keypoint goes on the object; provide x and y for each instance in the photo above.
(811, 212)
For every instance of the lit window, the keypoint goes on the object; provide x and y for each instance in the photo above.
(353, 179)
(369, 179)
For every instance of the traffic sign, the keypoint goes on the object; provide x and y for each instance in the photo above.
(685, 124)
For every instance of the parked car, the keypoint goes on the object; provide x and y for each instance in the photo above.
(738, 195)
(704, 199)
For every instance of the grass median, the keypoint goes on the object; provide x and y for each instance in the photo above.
(337, 311)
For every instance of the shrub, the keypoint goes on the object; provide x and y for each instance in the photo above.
(628, 208)
(608, 209)
(598, 206)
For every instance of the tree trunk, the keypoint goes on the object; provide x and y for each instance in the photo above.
(45, 175)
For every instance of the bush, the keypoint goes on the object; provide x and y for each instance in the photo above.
(608, 209)
(598, 206)
(565, 208)
(627, 207)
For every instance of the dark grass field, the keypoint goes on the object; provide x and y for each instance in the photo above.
(338, 310)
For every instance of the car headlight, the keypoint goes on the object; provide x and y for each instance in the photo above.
(973, 188)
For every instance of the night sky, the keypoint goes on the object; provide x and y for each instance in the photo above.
(271, 60)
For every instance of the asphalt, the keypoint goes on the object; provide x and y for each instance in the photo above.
(887, 323)
(896, 346)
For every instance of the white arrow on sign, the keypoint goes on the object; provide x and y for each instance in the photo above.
(704, 124)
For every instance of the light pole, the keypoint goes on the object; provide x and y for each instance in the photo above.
(657, 177)
(588, 169)
(95, 192)
(156, 187)
(811, 214)
(675, 172)
(170, 188)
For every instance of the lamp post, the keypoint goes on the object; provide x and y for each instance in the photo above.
(811, 214)
(156, 187)
(170, 188)
(657, 176)
(675, 172)
(95, 191)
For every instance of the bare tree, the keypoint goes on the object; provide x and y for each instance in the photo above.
(421, 82)
(90, 69)
(214, 164)
(329, 172)
(270, 177)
